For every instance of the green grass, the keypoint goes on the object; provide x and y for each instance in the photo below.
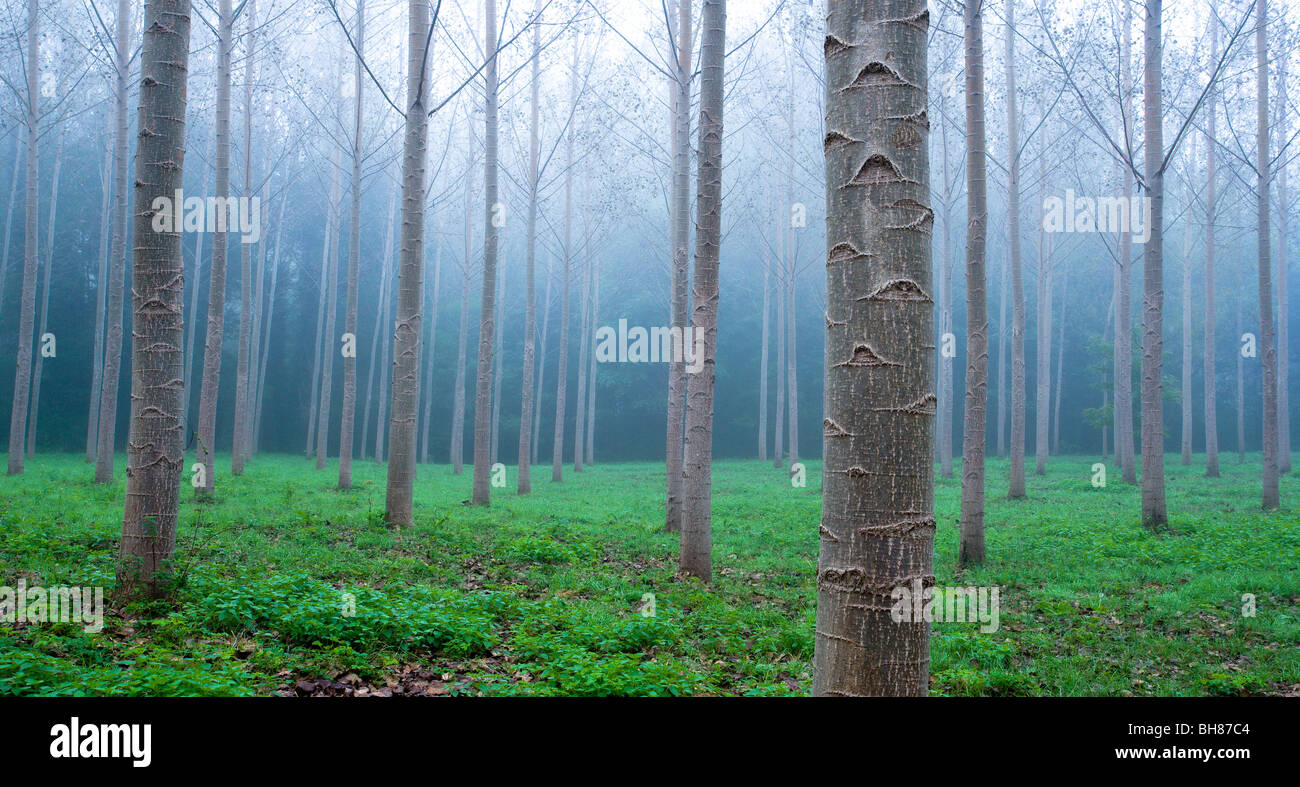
(540, 595)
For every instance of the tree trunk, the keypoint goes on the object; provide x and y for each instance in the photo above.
(348, 426)
(541, 366)
(156, 445)
(191, 324)
(117, 264)
(877, 527)
(238, 448)
(778, 455)
(385, 352)
(1018, 392)
(1284, 316)
(977, 343)
(591, 369)
(1211, 167)
(19, 161)
(331, 344)
(1060, 365)
(491, 241)
(1268, 349)
(410, 281)
(527, 403)
(101, 288)
(1153, 296)
(266, 333)
(792, 419)
(45, 289)
(27, 307)
(562, 370)
(680, 219)
(945, 387)
(217, 269)
(498, 365)
(1185, 381)
(1124, 309)
(381, 308)
(1241, 388)
(697, 541)
(427, 391)
(762, 358)
(584, 311)
(1043, 349)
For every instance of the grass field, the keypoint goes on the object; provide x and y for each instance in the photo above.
(540, 595)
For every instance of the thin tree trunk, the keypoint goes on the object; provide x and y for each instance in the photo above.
(349, 415)
(1268, 349)
(27, 307)
(977, 349)
(386, 348)
(1241, 388)
(778, 456)
(482, 494)
(1124, 309)
(238, 449)
(45, 290)
(527, 441)
(1185, 381)
(266, 335)
(191, 324)
(792, 419)
(1284, 315)
(1060, 367)
(584, 311)
(697, 488)
(1018, 393)
(428, 373)
(1211, 167)
(498, 366)
(1043, 349)
(19, 161)
(562, 370)
(156, 445)
(541, 366)
(945, 387)
(762, 358)
(376, 359)
(877, 526)
(117, 264)
(462, 351)
(680, 218)
(101, 289)
(591, 369)
(217, 286)
(1153, 406)
(331, 344)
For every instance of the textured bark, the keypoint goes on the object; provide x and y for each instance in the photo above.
(877, 527)
(1268, 348)
(977, 342)
(410, 280)
(45, 289)
(680, 218)
(427, 388)
(27, 306)
(101, 289)
(238, 449)
(1153, 295)
(527, 402)
(156, 443)
(381, 310)
(482, 494)
(1124, 309)
(348, 421)
(217, 269)
(1211, 207)
(696, 557)
(1018, 394)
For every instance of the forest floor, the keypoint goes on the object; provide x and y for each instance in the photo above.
(542, 595)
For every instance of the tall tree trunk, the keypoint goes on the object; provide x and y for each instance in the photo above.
(591, 368)
(584, 311)
(331, 344)
(1211, 168)
(792, 419)
(27, 307)
(266, 333)
(778, 456)
(45, 289)
(1153, 296)
(101, 288)
(1185, 381)
(238, 449)
(376, 358)
(217, 269)
(977, 342)
(482, 494)
(498, 365)
(1283, 313)
(1267, 346)
(117, 264)
(410, 281)
(1018, 393)
(348, 427)
(763, 355)
(541, 366)
(1060, 365)
(562, 370)
(191, 324)
(945, 398)
(156, 445)
(386, 348)
(877, 527)
(320, 348)
(1241, 387)
(527, 403)
(1124, 309)
(697, 488)
(427, 391)
(19, 161)
(1043, 349)
(680, 218)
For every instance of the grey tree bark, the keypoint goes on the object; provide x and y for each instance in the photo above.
(1268, 347)
(562, 369)
(482, 494)
(27, 307)
(331, 345)
(977, 343)
(101, 289)
(680, 218)
(238, 442)
(526, 404)
(381, 309)
(410, 282)
(877, 526)
(1153, 408)
(1211, 207)
(1124, 309)
(348, 422)
(1283, 305)
(156, 444)
(427, 390)
(45, 288)
(1018, 393)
